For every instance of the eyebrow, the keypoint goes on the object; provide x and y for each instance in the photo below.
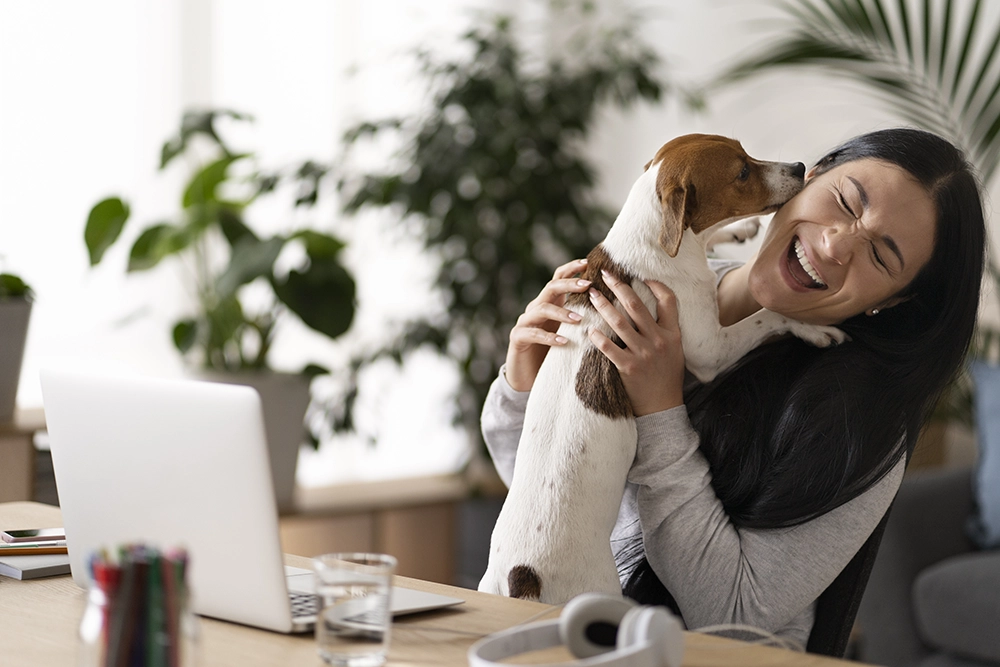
(888, 240)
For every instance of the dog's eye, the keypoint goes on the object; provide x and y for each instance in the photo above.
(745, 174)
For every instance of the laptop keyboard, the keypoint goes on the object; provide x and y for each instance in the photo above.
(303, 604)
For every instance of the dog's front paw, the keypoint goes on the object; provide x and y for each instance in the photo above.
(736, 232)
(818, 335)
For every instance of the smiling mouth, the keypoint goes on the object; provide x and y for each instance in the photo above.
(800, 268)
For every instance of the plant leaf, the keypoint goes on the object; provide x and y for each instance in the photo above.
(318, 245)
(12, 287)
(232, 225)
(203, 186)
(104, 225)
(969, 37)
(322, 295)
(195, 123)
(154, 244)
(250, 260)
(314, 370)
(185, 334)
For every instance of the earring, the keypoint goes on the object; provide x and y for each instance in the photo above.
(874, 311)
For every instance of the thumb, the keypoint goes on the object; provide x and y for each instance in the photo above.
(666, 305)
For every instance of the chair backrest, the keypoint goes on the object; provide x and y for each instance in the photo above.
(838, 605)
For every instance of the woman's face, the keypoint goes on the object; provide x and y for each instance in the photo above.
(851, 240)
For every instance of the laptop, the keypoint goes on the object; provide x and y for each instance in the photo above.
(181, 463)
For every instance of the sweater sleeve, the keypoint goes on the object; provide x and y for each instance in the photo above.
(501, 423)
(719, 573)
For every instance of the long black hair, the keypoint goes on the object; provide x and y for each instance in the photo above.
(793, 431)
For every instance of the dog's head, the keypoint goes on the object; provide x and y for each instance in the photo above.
(704, 179)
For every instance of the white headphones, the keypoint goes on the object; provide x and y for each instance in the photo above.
(598, 629)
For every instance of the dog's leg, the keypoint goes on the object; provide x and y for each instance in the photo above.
(711, 352)
(737, 232)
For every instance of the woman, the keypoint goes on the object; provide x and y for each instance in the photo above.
(749, 494)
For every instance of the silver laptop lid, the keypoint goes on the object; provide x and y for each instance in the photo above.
(171, 463)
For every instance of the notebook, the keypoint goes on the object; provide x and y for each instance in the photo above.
(32, 567)
(180, 463)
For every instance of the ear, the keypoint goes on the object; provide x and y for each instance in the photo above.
(647, 165)
(677, 204)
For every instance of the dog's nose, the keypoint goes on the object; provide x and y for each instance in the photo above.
(798, 170)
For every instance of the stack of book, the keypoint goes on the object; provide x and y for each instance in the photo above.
(32, 559)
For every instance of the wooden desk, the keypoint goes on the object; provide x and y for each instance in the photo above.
(38, 624)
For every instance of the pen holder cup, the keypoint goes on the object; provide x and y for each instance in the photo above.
(137, 625)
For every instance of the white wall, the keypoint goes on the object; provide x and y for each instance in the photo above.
(88, 91)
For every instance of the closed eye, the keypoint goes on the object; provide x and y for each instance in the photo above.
(878, 258)
(843, 202)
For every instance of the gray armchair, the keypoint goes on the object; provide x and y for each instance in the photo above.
(932, 600)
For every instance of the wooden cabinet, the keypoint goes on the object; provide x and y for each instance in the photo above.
(17, 455)
(413, 519)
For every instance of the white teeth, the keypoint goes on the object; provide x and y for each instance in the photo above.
(800, 252)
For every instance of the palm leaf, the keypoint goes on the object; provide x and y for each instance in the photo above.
(920, 57)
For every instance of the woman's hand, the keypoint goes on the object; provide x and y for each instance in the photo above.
(534, 333)
(652, 363)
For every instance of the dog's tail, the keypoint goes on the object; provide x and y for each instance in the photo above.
(523, 583)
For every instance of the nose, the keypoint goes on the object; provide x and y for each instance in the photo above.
(839, 243)
(798, 170)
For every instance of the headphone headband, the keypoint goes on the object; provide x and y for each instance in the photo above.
(489, 651)
(644, 636)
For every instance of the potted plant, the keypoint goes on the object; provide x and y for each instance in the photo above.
(494, 179)
(225, 339)
(15, 309)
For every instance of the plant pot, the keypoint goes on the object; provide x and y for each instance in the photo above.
(14, 314)
(284, 398)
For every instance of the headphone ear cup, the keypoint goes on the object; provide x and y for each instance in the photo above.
(658, 629)
(589, 624)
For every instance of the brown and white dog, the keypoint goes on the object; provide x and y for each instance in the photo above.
(552, 539)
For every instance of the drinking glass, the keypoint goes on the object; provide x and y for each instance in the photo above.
(353, 621)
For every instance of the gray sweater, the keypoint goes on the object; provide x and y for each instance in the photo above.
(717, 572)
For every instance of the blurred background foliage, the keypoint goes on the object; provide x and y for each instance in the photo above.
(493, 177)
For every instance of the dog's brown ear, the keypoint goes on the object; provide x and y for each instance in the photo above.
(647, 165)
(677, 203)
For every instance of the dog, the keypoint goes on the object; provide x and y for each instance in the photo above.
(551, 541)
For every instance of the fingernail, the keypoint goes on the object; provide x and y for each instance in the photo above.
(607, 276)
(583, 261)
(561, 340)
(592, 292)
(575, 317)
(583, 283)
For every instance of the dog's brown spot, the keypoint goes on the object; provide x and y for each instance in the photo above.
(598, 384)
(597, 261)
(523, 583)
(758, 322)
(600, 388)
